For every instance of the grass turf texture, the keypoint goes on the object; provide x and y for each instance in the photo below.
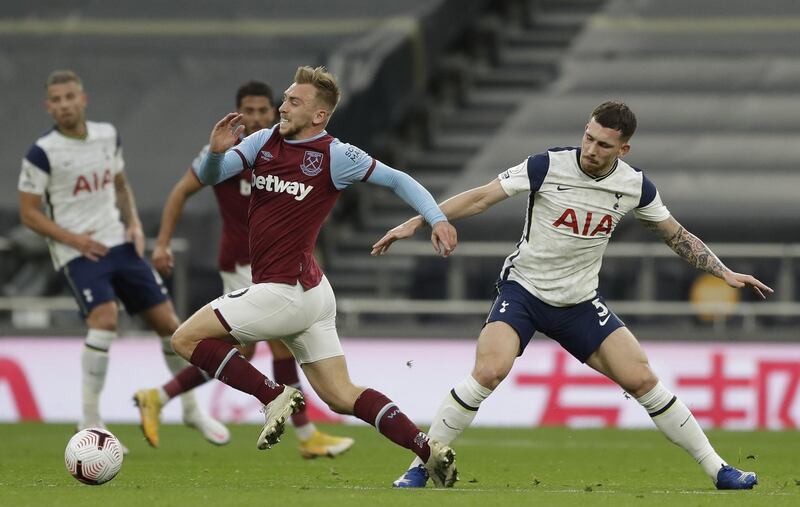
(547, 466)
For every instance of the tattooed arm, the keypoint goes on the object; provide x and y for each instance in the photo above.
(696, 253)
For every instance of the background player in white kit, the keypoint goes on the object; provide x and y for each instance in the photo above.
(576, 197)
(95, 236)
(254, 100)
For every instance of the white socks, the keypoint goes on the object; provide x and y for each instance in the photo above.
(456, 412)
(306, 431)
(678, 424)
(94, 364)
(175, 364)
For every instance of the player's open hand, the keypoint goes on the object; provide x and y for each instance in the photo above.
(163, 260)
(444, 238)
(87, 246)
(739, 280)
(225, 133)
(402, 231)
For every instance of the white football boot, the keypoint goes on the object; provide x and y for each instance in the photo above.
(211, 429)
(276, 412)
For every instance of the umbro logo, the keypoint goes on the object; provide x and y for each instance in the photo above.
(266, 156)
(562, 188)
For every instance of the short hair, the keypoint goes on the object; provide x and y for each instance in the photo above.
(63, 76)
(616, 115)
(327, 89)
(254, 89)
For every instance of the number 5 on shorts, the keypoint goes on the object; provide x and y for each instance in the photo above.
(602, 311)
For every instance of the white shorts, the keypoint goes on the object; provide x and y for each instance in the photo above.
(305, 320)
(236, 280)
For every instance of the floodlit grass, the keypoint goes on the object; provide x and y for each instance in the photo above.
(498, 466)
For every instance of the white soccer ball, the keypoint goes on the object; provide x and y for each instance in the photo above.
(93, 456)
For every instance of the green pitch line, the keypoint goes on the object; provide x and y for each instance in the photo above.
(715, 24)
(498, 466)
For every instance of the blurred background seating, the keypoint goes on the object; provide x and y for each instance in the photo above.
(452, 92)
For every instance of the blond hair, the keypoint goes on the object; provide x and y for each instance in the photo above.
(63, 76)
(328, 91)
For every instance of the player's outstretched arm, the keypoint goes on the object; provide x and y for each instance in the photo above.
(465, 204)
(443, 235)
(691, 248)
(162, 257)
(130, 216)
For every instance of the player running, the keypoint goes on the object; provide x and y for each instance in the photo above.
(576, 197)
(254, 101)
(298, 172)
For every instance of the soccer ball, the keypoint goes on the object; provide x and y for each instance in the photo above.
(93, 456)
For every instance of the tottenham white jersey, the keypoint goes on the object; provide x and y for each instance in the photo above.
(570, 218)
(76, 179)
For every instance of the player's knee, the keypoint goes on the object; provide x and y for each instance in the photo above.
(182, 342)
(489, 374)
(641, 382)
(106, 324)
(103, 317)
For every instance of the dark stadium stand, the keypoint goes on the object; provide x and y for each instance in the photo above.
(714, 91)
(452, 92)
(163, 78)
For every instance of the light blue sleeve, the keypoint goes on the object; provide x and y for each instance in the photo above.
(252, 144)
(408, 189)
(217, 167)
(348, 164)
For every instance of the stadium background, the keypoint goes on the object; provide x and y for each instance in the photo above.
(452, 92)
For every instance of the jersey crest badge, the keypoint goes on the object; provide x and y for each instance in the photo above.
(312, 163)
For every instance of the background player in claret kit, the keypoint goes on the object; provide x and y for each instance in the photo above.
(95, 235)
(254, 101)
(576, 197)
(298, 172)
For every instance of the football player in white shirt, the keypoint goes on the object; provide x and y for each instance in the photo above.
(576, 197)
(92, 226)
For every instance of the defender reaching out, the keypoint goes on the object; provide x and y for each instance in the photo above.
(576, 197)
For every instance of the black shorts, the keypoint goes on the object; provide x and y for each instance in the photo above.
(120, 274)
(580, 329)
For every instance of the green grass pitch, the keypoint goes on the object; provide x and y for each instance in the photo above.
(498, 466)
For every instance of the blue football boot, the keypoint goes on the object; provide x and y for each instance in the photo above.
(415, 477)
(732, 478)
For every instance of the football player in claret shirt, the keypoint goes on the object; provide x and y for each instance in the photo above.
(576, 197)
(254, 100)
(76, 171)
(298, 172)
